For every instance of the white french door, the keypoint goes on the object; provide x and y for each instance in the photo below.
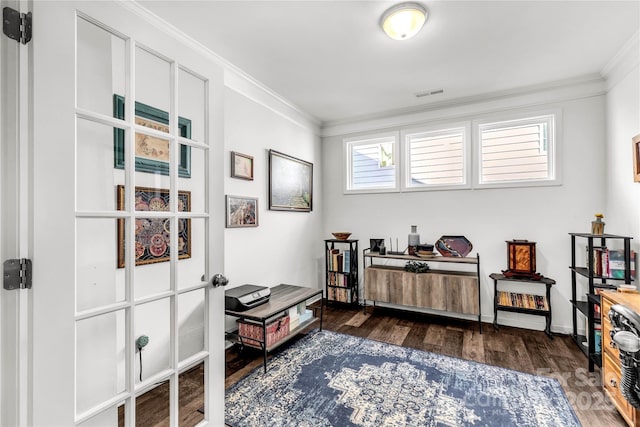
(126, 216)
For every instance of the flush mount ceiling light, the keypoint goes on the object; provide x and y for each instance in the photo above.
(403, 21)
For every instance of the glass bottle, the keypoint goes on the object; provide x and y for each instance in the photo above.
(414, 240)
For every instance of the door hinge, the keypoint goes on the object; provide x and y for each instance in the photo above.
(17, 274)
(16, 25)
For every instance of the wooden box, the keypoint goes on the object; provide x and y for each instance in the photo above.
(251, 332)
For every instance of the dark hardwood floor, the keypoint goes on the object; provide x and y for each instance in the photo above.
(152, 408)
(519, 349)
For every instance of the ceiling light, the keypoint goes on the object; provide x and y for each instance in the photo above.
(403, 21)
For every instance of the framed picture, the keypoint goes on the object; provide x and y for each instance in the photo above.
(152, 234)
(290, 183)
(242, 211)
(152, 153)
(241, 166)
(636, 158)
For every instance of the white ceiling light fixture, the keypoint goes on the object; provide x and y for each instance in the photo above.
(403, 21)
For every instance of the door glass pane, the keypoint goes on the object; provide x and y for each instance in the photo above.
(98, 280)
(100, 361)
(100, 67)
(152, 321)
(191, 396)
(191, 320)
(153, 88)
(96, 169)
(152, 407)
(152, 273)
(109, 417)
(192, 268)
(197, 183)
(191, 103)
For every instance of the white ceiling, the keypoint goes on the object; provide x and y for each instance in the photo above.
(332, 60)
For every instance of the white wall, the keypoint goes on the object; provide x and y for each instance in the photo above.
(488, 217)
(286, 247)
(623, 123)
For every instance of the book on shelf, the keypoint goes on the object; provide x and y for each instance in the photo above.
(596, 307)
(610, 263)
(338, 279)
(617, 263)
(339, 260)
(346, 264)
(597, 338)
(332, 259)
(528, 301)
(338, 294)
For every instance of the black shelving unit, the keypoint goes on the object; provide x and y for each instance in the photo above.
(586, 303)
(341, 277)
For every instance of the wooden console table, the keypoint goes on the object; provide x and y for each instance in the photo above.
(444, 290)
(283, 297)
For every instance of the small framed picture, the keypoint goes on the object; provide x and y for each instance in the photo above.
(636, 158)
(241, 166)
(242, 211)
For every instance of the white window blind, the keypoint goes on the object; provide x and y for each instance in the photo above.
(516, 151)
(372, 164)
(436, 158)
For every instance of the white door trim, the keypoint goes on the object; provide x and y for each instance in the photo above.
(15, 223)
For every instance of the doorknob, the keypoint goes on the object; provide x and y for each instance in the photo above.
(218, 280)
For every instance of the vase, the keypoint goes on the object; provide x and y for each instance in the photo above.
(597, 227)
(413, 240)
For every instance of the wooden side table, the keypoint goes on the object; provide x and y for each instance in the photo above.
(283, 297)
(535, 304)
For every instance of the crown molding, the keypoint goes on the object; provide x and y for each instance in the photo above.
(528, 96)
(235, 78)
(625, 60)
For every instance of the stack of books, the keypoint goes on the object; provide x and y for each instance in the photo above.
(610, 263)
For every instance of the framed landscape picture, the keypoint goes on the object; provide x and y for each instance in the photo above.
(290, 183)
(152, 153)
(152, 234)
(242, 211)
(241, 166)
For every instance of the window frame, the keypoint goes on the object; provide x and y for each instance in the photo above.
(405, 135)
(553, 118)
(347, 150)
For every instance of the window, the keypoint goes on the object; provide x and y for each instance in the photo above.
(517, 151)
(372, 163)
(436, 158)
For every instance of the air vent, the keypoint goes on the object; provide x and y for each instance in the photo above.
(429, 93)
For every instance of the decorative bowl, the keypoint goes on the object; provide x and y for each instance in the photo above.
(341, 235)
(454, 246)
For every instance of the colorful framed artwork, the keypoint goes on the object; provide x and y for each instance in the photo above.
(242, 211)
(290, 183)
(636, 158)
(152, 153)
(241, 166)
(153, 234)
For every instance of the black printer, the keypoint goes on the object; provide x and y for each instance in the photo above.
(245, 297)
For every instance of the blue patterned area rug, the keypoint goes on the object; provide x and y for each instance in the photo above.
(331, 379)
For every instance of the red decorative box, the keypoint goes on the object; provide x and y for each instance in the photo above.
(251, 332)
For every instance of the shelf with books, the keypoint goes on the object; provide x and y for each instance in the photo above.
(523, 302)
(341, 266)
(603, 268)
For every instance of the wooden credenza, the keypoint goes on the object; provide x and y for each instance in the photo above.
(611, 373)
(444, 290)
